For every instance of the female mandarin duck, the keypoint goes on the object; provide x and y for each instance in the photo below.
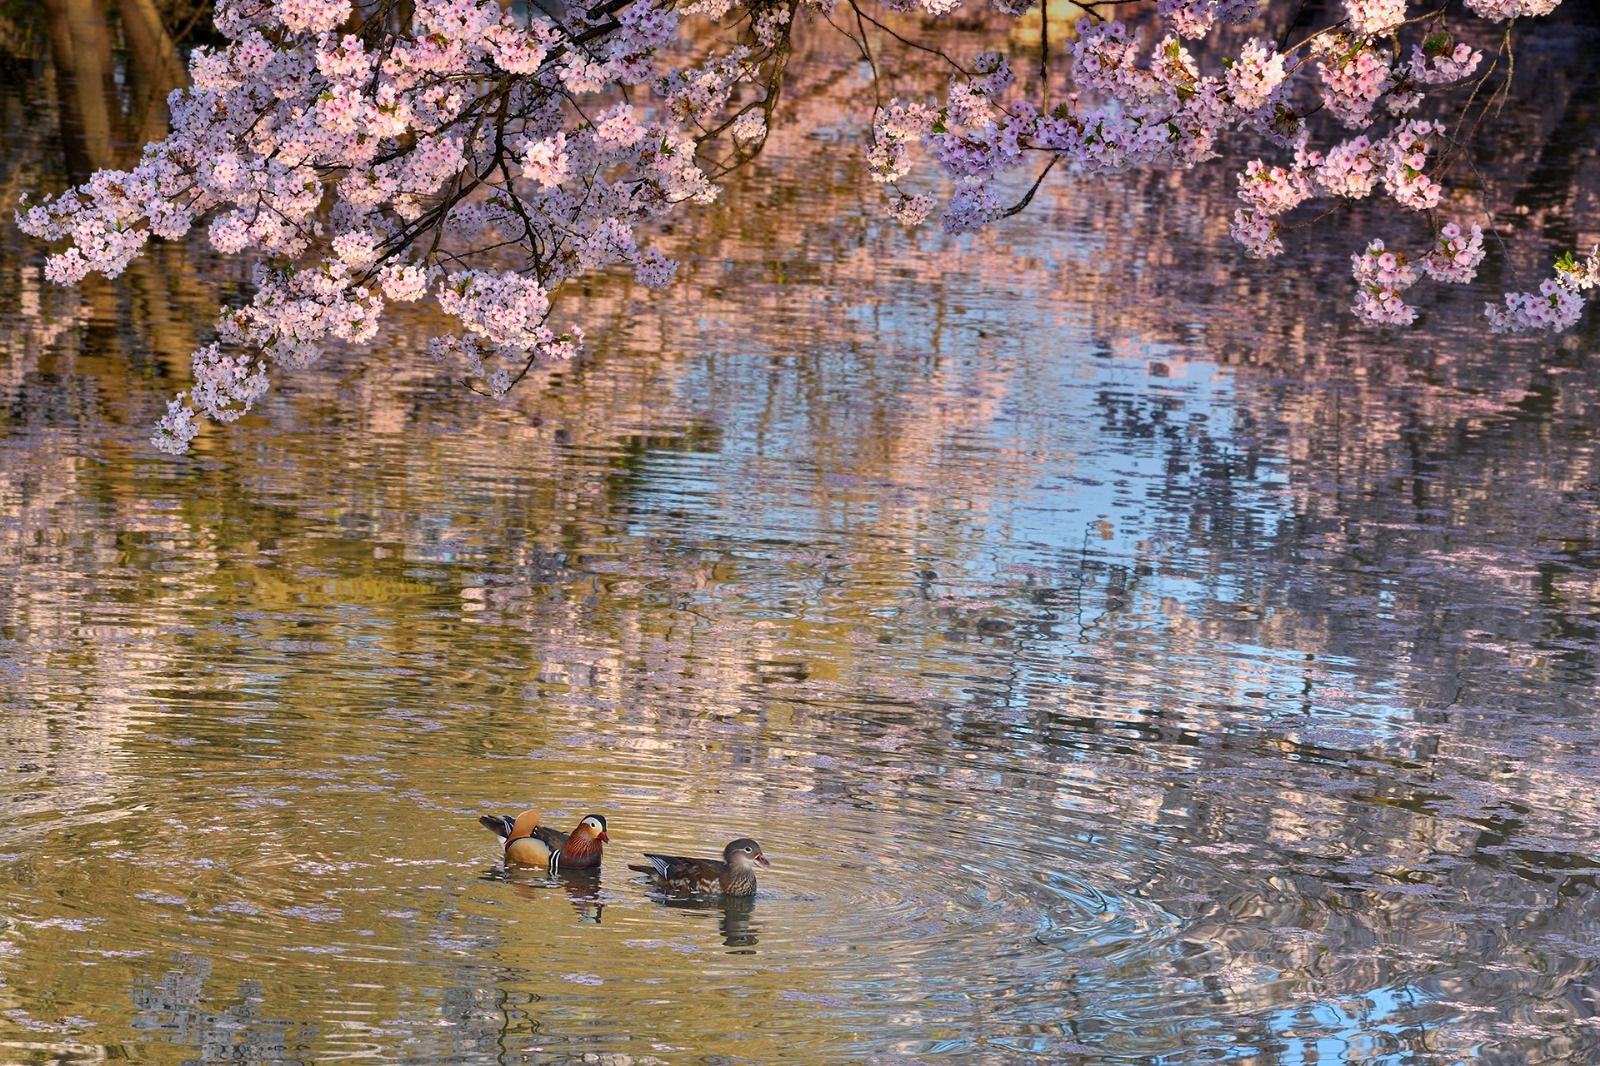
(735, 875)
(527, 843)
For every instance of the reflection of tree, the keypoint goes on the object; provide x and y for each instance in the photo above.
(174, 1010)
(95, 118)
(81, 49)
(485, 1020)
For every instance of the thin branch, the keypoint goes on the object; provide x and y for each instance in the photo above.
(1027, 198)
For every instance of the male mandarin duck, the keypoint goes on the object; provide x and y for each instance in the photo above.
(735, 875)
(527, 843)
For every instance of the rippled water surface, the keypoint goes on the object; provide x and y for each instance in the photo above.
(1117, 664)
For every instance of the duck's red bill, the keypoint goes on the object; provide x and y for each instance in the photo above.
(762, 859)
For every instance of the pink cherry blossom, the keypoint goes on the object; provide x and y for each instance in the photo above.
(1273, 189)
(1381, 277)
(654, 270)
(1254, 75)
(1500, 10)
(1456, 255)
(1354, 75)
(912, 210)
(1257, 231)
(177, 427)
(1556, 306)
(1372, 17)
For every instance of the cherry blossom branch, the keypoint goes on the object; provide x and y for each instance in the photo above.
(389, 152)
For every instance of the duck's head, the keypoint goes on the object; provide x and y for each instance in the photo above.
(744, 852)
(595, 826)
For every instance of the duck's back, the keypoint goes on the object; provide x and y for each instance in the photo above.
(704, 876)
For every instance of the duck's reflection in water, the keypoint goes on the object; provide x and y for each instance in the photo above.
(581, 886)
(735, 918)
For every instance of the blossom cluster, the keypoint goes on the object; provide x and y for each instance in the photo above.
(1165, 112)
(1355, 74)
(1196, 18)
(1382, 276)
(1135, 107)
(1556, 305)
(1372, 17)
(1456, 254)
(1500, 10)
(457, 161)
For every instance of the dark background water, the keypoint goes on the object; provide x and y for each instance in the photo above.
(1121, 655)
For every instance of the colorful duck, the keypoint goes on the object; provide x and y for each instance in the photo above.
(735, 875)
(527, 843)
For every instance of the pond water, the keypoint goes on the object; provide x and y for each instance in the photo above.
(1120, 655)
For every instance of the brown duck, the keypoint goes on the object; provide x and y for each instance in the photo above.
(527, 843)
(734, 875)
